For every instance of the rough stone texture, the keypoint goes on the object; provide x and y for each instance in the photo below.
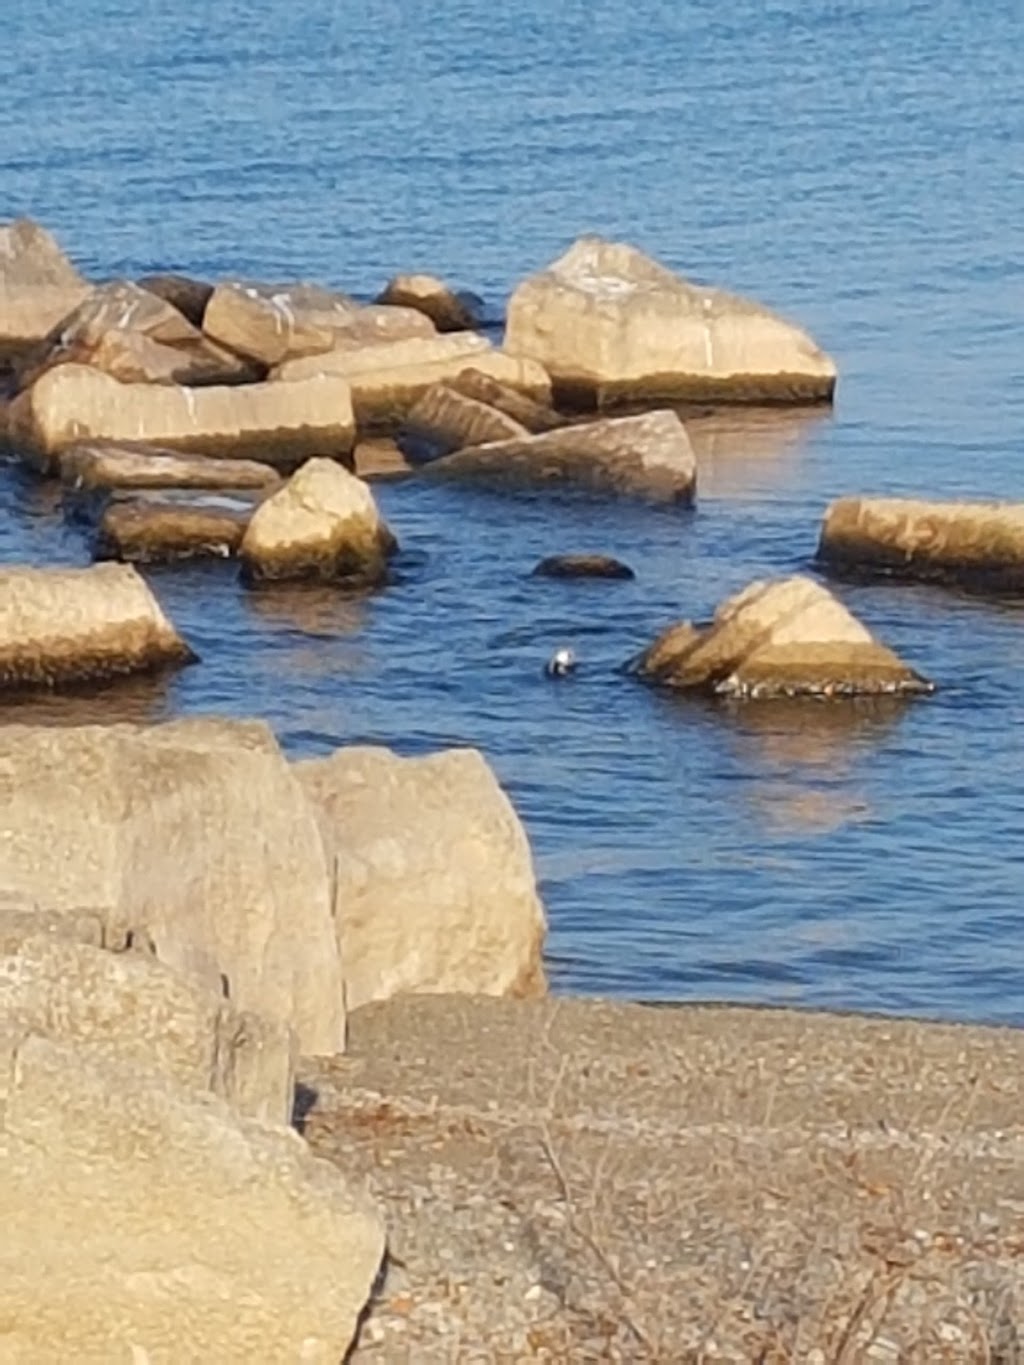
(189, 296)
(194, 836)
(103, 465)
(60, 626)
(534, 416)
(448, 309)
(323, 524)
(38, 285)
(380, 457)
(134, 336)
(278, 423)
(647, 456)
(145, 1223)
(582, 566)
(159, 532)
(977, 544)
(443, 420)
(21, 918)
(434, 882)
(387, 379)
(134, 1008)
(273, 323)
(789, 637)
(610, 324)
(575, 1180)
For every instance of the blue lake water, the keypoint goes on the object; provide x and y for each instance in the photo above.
(859, 166)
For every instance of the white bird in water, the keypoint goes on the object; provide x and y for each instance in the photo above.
(561, 663)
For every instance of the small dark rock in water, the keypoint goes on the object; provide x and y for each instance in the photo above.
(561, 663)
(582, 566)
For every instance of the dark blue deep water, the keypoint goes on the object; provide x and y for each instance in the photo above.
(859, 166)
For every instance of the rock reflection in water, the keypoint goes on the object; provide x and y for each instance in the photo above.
(139, 701)
(741, 451)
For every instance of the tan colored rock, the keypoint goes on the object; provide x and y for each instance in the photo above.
(21, 918)
(132, 1007)
(647, 456)
(443, 420)
(785, 638)
(977, 544)
(535, 417)
(146, 1223)
(434, 883)
(60, 626)
(277, 423)
(323, 524)
(610, 324)
(193, 836)
(379, 457)
(447, 309)
(38, 285)
(386, 380)
(189, 296)
(146, 532)
(273, 323)
(104, 465)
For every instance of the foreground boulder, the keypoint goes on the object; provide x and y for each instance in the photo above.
(647, 456)
(144, 532)
(193, 837)
(131, 1007)
(38, 286)
(610, 324)
(786, 638)
(61, 626)
(98, 466)
(323, 525)
(977, 544)
(387, 379)
(434, 883)
(447, 309)
(143, 1222)
(274, 323)
(281, 424)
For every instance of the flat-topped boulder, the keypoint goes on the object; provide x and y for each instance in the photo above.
(322, 525)
(387, 379)
(528, 412)
(444, 419)
(62, 626)
(145, 531)
(648, 456)
(975, 544)
(785, 638)
(194, 838)
(145, 1222)
(104, 465)
(273, 323)
(38, 286)
(281, 424)
(450, 310)
(189, 296)
(434, 882)
(610, 324)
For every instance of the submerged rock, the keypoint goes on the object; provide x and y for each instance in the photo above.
(582, 566)
(434, 883)
(61, 626)
(38, 286)
(322, 525)
(786, 638)
(448, 309)
(101, 465)
(610, 324)
(647, 456)
(189, 296)
(147, 532)
(281, 424)
(976, 544)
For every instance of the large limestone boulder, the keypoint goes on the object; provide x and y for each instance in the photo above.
(194, 837)
(130, 1006)
(324, 525)
(144, 532)
(977, 544)
(448, 309)
(38, 286)
(99, 466)
(434, 883)
(281, 424)
(610, 324)
(786, 638)
(142, 1222)
(649, 456)
(387, 379)
(444, 419)
(272, 323)
(60, 626)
